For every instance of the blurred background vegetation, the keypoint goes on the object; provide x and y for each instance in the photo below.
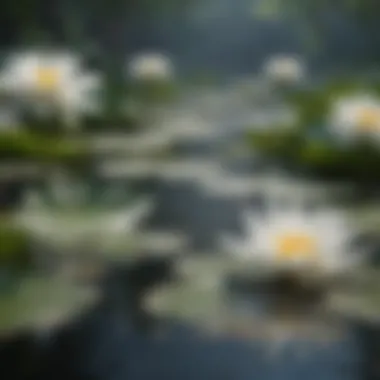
(344, 30)
(323, 22)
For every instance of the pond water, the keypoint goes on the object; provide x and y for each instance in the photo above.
(104, 344)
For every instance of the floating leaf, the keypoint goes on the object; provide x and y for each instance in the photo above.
(42, 303)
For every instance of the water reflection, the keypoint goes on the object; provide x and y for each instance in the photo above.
(116, 351)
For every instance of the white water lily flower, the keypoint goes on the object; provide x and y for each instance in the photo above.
(356, 116)
(318, 241)
(52, 82)
(151, 66)
(285, 69)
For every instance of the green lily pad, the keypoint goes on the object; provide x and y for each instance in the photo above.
(200, 296)
(187, 300)
(72, 228)
(198, 300)
(361, 305)
(43, 303)
(367, 217)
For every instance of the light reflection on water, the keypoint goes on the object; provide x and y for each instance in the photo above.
(184, 353)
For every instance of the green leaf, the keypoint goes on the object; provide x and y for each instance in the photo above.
(14, 248)
(42, 303)
(39, 147)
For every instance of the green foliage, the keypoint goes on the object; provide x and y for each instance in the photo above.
(320, 154)
(153, 92)
(39, 147)
(42, 302)
(313, 105)
(311, 17)
(32, 22)
(274, 143)
(359, 162)
(14, 249)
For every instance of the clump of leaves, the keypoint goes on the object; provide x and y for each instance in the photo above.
(307, 144)
(359, 162)
(312, 105)
(14, 249)
(39, 147)
(154, 91)
(282, 143)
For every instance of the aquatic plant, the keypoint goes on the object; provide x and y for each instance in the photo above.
(15, 253)
(328, 137)
(293, 239)
(52, 82)
(38, 147)
(40, 304)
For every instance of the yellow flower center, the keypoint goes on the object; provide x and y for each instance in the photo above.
(369, 119)
(47, 78)
(296, 246)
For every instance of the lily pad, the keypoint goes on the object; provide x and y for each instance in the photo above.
(202, 299)
(43, 303)
(188, 300)
(364, 305)
(201, 296)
